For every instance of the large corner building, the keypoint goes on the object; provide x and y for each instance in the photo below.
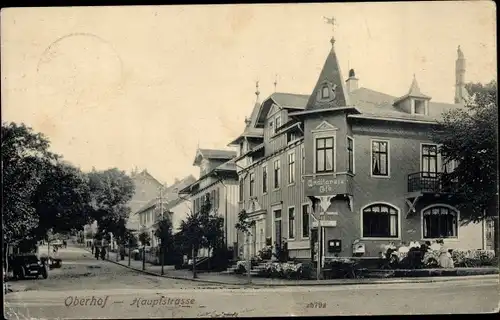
(359, 160)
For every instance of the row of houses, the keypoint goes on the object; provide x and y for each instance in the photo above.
(360, 161)
(342, 171)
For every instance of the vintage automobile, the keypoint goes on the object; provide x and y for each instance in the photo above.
(51, 262)
(28, 265)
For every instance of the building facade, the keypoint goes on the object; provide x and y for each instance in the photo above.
(359, 161)
(168, 200)
(218, 182)
(146, 188)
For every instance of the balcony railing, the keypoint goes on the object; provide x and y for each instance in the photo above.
(431, 182)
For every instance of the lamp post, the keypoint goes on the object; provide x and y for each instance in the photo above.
(162, 253)
(129, 245)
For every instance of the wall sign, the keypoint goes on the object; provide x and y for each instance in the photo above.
(325, 185)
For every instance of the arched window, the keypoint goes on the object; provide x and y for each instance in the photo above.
(325, 92)
(439, 222)
(380, 221)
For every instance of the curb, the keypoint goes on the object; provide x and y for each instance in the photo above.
(305, 284)
(174, 277)
(170, 277)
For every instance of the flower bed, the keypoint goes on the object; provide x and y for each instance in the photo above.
(416, 259)
(280, 270)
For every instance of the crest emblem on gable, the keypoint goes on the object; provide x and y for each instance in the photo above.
(334, 92)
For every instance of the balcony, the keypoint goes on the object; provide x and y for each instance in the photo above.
(431, 182)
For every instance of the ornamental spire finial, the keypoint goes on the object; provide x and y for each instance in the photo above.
(257, 92)
(333, 22)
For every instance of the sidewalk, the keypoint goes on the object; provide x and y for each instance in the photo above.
(232, 279)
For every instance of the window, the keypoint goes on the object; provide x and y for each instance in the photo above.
(217, 198)
(264, 179)
(419, 106)
(252, 184)
(325, 92)
(380, 158)
(439, 222)
(277, 174)
(350, 155)
(429, 160)
(303, 164)
(292, 136)
(380, 221)
(278, 123)
(277, 226)
(291, 168)
(291, 223)
(305, 221)
(241, 189)
(324, 154)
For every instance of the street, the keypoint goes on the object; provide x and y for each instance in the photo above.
(88, 288)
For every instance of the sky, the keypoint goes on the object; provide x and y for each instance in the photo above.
(145, 86)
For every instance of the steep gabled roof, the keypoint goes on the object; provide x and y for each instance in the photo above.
(251, 129)
(226, 166)
(290, 100)
(213, 154)
(145, 174)
(331, 77)
(283, 100)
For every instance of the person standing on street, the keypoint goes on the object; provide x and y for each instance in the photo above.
(97, 253)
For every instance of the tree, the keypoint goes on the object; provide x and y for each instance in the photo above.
(110, 191)
(214, 233)
(24, 156)
(243, 224)
(62, 200)
(145, 238)
(192, 231)
(469, 136)
(164, 233)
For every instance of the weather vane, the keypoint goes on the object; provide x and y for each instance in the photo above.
(331, 21)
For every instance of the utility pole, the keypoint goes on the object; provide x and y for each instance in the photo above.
(320, 240)
(249, 260)
(129, 244)
(162, 253)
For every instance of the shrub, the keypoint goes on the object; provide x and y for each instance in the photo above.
(265, 253)
(473, 258)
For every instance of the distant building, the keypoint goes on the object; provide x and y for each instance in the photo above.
(360, 160)
(146, 188)
(149, 214)
(218, 182)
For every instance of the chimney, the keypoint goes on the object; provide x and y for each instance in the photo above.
(352, 81)
(460, 91)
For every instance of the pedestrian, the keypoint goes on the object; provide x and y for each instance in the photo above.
(103, 253)
(97, 253)
(92, 247)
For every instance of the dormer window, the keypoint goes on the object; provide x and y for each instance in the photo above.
(420, 107)
(325, 92)
(277, 124)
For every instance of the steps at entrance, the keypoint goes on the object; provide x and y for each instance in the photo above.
(256, 269)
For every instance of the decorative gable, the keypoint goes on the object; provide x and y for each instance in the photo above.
(325, 126)
(274, 110)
